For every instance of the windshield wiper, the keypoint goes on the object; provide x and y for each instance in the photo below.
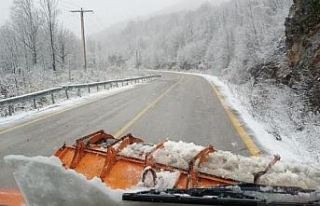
(242, 194)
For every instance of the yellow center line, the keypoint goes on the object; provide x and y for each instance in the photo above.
(253, 149)
(121, 131)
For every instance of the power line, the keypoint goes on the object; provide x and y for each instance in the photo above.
(95, 23)
(61, 5)
(73, 5)
(99, 20)
(82, 33)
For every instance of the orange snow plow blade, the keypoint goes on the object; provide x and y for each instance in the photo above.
(101, 155)
(11, 197)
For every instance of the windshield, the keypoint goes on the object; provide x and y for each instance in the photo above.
(138, 95)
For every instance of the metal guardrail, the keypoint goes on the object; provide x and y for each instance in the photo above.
(10, 102)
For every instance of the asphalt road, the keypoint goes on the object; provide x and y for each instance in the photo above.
(180, 107)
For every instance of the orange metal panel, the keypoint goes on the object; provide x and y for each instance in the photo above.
(124, 174)
(65, 155)
(91, 165)
(182, 182)
(11, 197)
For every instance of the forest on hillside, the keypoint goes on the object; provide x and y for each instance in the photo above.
(34, 46)
(228, 39)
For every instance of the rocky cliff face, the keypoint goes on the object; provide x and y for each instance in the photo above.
(303, 49)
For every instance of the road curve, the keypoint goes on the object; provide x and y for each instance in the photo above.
(177, 106)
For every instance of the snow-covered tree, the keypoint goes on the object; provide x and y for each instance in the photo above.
(228, 39)
(50, 13)
(32, 43)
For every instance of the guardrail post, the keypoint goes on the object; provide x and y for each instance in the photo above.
(105, 86)
(97, 88)
(52, 98)
(11, 110)
(66, 91)
(34, 103)
(79, 92)
(89, 89)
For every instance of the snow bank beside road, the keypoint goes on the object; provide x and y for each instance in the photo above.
(288, 149)
(283, 148)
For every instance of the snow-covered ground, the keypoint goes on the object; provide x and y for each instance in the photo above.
(271, 113)
(287, 149)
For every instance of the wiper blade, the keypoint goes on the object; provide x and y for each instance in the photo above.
(242, 194)
(272, 189)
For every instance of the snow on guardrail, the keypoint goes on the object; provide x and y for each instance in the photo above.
(10, 103)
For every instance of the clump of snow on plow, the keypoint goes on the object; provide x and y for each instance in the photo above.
(177, 154)
(240, 168)
(228, 165)
(138, 151)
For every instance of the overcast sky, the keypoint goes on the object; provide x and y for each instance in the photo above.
(106, 12)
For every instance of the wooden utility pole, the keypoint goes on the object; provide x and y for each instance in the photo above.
(82, 34)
